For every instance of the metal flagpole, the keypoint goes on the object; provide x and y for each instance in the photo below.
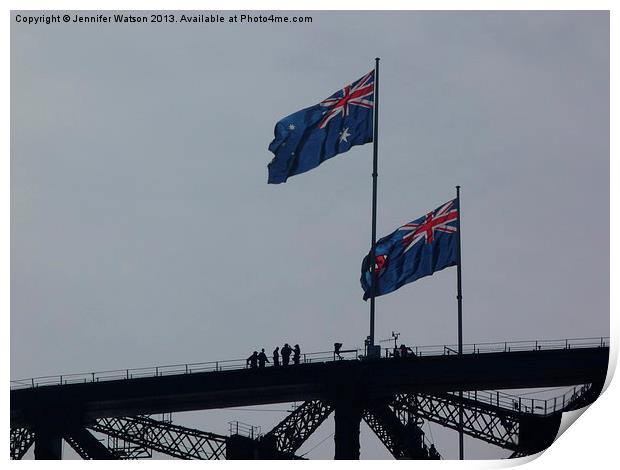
(459, 299)
(371, 337)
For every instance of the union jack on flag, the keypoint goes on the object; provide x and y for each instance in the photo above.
(441, 219)
(307, 138)
(414, 250)
(361, 93)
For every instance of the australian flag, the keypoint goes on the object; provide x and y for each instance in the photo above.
(415, 250)
(308, 137)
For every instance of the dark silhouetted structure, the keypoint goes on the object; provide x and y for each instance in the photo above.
(392, 396)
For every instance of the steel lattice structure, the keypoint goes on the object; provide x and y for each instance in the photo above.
(295, 429)
(170, 439)
(395, 423)
(404, 440)
(127, 450)
(21, 440)
(494, 426)
(584, 396)
(87, 446)
(398, 430)
(394, 397)
(513, 429)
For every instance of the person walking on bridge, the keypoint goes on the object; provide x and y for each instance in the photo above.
(296, 354)
(262, 359)
(252, 360)
(337, 347)
(286, 354)
(276, 357)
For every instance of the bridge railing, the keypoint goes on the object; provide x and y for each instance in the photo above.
(306, 358)
(539, 406)
(512, 346)
(244, 429)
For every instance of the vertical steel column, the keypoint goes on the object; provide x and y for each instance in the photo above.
(347, 418)
(47, 443)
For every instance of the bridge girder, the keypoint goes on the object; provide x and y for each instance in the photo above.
(21, 440)
(404, 440)
(294, 430)
(523, 433)
(181, 442)
(87, 446)
(520, 432)
(170, 439)
(498, 428)
(246, 387)
(421, 385)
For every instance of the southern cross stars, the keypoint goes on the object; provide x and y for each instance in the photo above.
(291, 127)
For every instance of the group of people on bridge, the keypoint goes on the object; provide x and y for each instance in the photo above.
(259, 359)
(403, 351)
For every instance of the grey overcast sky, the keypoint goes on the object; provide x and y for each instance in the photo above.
(143, 230)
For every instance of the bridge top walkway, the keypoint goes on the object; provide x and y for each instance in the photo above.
(434, 369)
(542, 406)
(306, 358)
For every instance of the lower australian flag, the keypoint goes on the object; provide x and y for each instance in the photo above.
(307, 138)
(415, 250)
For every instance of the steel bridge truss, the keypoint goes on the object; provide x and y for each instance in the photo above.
(162, 436)
(404, 440)
(127, 450)
(510, 428)
(496, 427)
(396, 422)
(21, 440)
(295, 429)
(88, 446)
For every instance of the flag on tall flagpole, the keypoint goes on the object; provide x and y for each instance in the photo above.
(415, 250)
(307, 138)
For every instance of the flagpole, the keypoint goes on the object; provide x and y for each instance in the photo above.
(375, 147)
(459, 299)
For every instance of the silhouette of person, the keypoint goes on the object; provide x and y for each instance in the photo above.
(276, 357)
(296, 354)
(403, 351)
(262, 358)
(252, 360)
(286, 354)
(432, 453)
(337, 347)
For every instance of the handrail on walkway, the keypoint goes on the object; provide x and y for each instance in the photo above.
(305, 358)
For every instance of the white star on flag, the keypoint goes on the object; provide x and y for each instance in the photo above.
(344, 134)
